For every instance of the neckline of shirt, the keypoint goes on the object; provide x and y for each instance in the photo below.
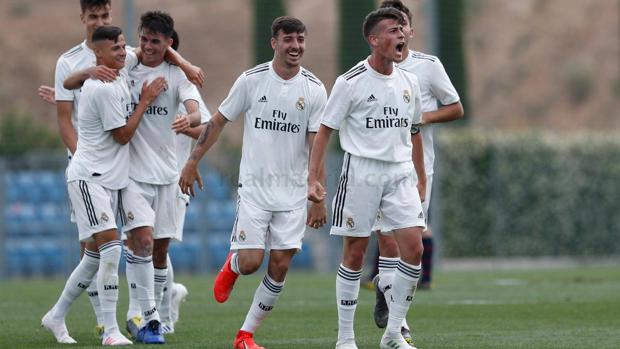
(376, 74)
(275, 75)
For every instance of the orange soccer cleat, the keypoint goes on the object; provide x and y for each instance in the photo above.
(245, 340)
(224, 281)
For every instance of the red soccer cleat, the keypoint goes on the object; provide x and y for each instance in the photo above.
(224, 281)
(245, 340)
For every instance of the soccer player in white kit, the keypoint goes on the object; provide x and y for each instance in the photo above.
(98, 171)
(149, 202)
(376, 107)
(94, 14)
(435, 86)
(282, 102)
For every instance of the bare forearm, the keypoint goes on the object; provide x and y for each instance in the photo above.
(418, 156)
(446, 113)
(65, 126)
(194, 132)
(209, 135)
(316, 171)
(69, 137)
(76, 79)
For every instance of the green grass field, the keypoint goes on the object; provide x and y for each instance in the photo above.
(566, 308)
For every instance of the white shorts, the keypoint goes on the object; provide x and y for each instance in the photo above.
(150, 205)
(368, 186)
(384, 228)
(256, 228)
(95, 208)
(182, 201)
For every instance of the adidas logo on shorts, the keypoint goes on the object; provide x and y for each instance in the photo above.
(421, 215)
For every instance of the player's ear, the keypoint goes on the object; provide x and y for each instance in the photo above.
(273, 43)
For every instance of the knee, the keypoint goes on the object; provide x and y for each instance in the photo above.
(388, 247)
(353, 259)
(278, 269)
(249, 265)
(143, 245)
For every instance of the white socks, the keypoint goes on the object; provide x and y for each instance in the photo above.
(265, 298)
(93, 297)
(347, 291)
(78, 281)
(141, 273)
(234, 263)
(164, 309)
(161, 277)
(403, 289)
(134, 303)
(107, 283)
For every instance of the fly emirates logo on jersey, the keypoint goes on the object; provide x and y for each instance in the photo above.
(390, 119)
(277, 122)
(151, 110)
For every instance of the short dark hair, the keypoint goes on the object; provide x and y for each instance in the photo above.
(288, 25)
(157, 22)
(88, 4)
(175, 40)
(376, 16)
(107, 32)
(397, 4)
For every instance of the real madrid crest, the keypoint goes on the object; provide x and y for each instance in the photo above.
(104, 217)
(130, 216)
(350, 223)
(406, 96)
(301, 103)
(242, 235)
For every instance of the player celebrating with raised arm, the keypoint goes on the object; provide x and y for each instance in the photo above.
(98, 171)
(435, 86)
(376, 108)
(283, 103)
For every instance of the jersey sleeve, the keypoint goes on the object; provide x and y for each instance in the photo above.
(62, 72)
(417, 108)
(109, 107)
(131, 59)
(187, 90)
(237, 100)
(317, 108)
(338, 105)
(441, 86)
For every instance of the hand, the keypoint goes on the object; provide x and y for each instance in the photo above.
(194, 74)
(47, 94)
(317, 215)
(421, 186)
(181, 124)
(316, 192)
(101, 72)
(150, 92)
(187, 178)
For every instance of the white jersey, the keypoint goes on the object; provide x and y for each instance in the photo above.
(77, 58)
(183, 143)
(435, 86)
(152, 148)
(375, 113)
(279, 113)
(99, 158)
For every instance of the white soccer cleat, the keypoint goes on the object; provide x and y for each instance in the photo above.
(179, 293)
(58, 328)
(115, 339)
(346, 344)
(396, 341)
(167, 328)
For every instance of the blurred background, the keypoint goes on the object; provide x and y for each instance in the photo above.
(531, 174)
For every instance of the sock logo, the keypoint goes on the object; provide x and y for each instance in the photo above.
(82, 286)
(265, 307)
(348, 302)
(93, 294)
(110, 287)
(409, 298)
(133, 285)
(149, 312)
